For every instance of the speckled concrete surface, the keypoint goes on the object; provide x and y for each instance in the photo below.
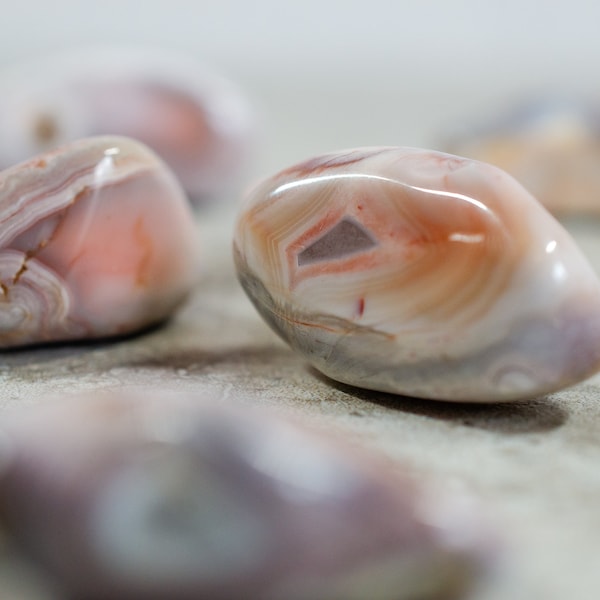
(534, 465)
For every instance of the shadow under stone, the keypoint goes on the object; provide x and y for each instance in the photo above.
(533, 416)
(197, 358)
(47, 351)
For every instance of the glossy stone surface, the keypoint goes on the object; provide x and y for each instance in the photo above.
(198, 122)
(96, 239)
(419, 273)
(552, 148)
(147, 495)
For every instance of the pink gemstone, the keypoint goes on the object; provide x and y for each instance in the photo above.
(419, 273)
(96, 239)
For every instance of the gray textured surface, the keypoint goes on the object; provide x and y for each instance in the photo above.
(534, 464)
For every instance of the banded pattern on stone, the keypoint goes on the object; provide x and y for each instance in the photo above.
(96, 240)
(161, 495)
(419, 273)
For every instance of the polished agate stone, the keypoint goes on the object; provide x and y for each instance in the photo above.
(552, 148)
(96, 239)
(419, 273)
(147, 495)
(198, 122)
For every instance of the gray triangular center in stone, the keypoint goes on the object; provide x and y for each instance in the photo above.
(347, 237)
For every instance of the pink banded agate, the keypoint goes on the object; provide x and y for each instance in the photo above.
(153, 496)
(419, 273)
(96, 239)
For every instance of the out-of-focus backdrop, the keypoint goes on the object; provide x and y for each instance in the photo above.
(327, 74)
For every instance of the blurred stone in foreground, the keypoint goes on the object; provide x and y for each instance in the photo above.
(146, 495)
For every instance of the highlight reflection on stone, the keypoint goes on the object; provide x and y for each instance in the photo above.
(552, 148)
(199, 123)
(177, 496)
(419, 273)
(96, 239)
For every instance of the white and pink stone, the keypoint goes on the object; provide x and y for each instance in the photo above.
(198, 122)
(152, 495)
(419, 273)
(96, 239)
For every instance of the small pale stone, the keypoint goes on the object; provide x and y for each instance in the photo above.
(198, 122)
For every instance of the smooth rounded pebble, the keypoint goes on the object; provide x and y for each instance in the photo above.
(96, 239)
(419, 273)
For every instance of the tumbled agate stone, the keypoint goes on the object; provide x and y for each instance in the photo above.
(96, 239)
(198, 122)
(419, 273)
(552, 148)
(142, 495)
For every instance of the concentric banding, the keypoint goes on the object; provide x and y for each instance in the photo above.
(96, 239)
(32, 301)
(419, 273)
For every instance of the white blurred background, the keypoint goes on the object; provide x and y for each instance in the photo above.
(328, 74)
